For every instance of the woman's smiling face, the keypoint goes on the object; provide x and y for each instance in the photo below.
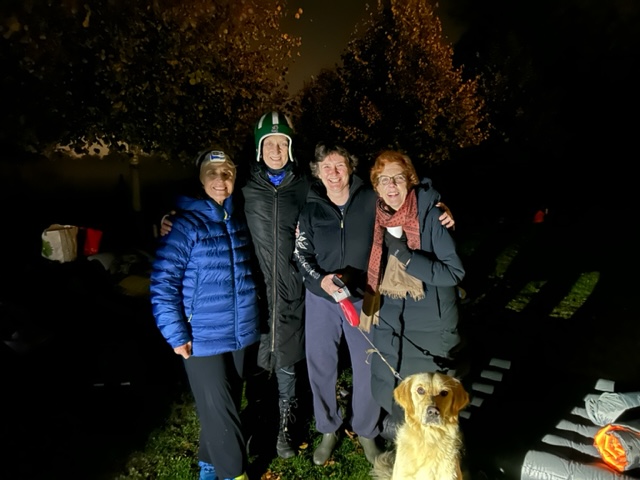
(275, 151)
(334, 172)
(395, 191)
(218, 180)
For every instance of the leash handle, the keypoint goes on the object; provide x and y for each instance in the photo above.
(350, 312)
(345, 304)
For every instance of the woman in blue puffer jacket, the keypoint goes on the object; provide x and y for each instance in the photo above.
(205, 303)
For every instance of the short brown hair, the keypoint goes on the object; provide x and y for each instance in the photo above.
(324, 149)
(393, 156)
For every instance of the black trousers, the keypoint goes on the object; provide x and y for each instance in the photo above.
(216, 384)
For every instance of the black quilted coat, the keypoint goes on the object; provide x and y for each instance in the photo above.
(272, 215)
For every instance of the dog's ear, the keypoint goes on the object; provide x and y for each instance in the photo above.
(460, 396)
(402, 394)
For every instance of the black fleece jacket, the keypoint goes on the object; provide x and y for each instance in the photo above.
(333, 242)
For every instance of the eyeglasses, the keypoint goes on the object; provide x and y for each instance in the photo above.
(398, 179)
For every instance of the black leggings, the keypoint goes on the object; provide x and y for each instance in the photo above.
(216, 384)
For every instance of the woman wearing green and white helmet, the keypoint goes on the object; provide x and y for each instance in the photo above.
(274, 195)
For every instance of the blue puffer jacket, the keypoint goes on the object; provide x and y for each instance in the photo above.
(202, 286)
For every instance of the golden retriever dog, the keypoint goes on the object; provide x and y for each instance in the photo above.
(429, 442)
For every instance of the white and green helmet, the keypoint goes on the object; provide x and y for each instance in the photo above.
(273, 123)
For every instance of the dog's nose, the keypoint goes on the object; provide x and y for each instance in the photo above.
(433, 412)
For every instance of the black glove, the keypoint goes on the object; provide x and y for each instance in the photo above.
(398, 247)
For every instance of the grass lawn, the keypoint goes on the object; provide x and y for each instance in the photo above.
(539, 298)
(505, 279)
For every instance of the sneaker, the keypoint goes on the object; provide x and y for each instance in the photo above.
(207, 471)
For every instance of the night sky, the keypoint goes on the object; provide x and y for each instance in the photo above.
(325, 27)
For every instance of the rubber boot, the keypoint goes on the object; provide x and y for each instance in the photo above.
(370, 447)
(324, 450)
(284, 449)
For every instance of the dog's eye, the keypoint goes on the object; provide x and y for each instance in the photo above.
(444, 393)
(420, 391)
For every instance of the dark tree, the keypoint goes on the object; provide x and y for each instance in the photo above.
(168, 76)
(561, 91)
(397, 87)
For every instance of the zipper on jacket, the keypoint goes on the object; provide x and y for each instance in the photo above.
(233, 279)
(342, 213)
(274, 272)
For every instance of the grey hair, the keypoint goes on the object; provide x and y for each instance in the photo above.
(324, 149)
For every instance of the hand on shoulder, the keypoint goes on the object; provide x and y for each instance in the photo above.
(166, 224)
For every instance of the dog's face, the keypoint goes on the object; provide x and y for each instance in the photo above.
(431, 399)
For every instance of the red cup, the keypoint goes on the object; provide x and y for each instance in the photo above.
(92, 241)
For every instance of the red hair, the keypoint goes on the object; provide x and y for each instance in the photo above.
(393, 156)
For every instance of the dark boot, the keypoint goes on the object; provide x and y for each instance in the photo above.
(389, 429)
(283, 445)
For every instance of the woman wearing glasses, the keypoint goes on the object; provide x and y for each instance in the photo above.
(334, 240)
(411, 284)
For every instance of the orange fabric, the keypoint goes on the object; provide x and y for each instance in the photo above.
(610, 449)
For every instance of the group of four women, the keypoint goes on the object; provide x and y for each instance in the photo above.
(390, 248)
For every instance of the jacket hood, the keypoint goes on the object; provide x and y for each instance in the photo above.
(428, 196)
(217, 212)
